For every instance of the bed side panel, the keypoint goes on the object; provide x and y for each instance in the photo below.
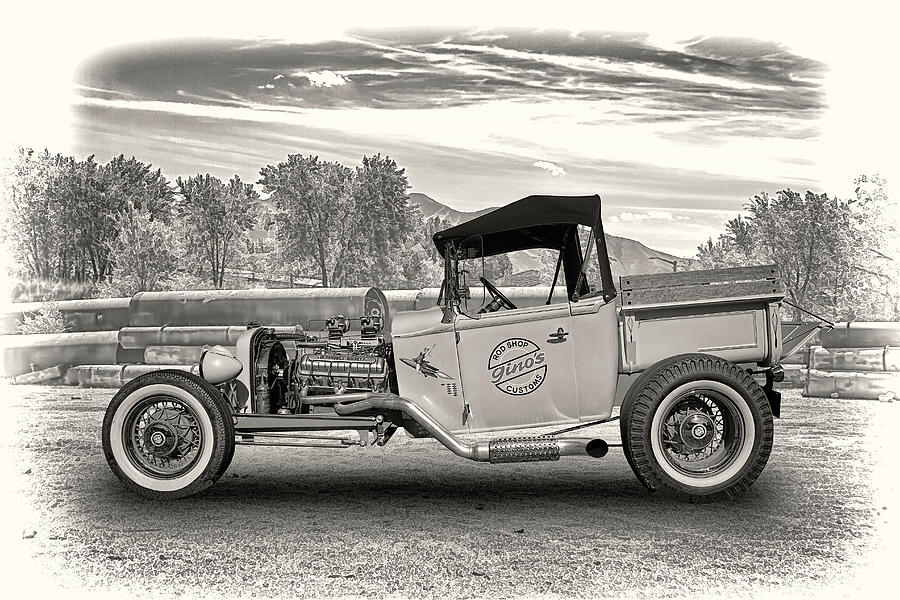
(738, 335)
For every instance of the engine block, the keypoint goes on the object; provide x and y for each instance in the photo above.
(343, 367)
(292, 367)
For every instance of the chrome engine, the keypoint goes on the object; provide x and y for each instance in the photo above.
(291, 367)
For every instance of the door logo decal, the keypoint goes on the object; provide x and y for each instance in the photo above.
(423, 367)
(517, 366)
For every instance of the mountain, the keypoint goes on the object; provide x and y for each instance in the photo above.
(626, 256)
(432, 208)
(634, 258)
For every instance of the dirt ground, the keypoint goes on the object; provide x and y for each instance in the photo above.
(412, 520)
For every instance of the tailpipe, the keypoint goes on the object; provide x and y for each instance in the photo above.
(504, 450)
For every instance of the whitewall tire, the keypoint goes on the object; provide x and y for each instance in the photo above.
(168, 434)
(697, 426)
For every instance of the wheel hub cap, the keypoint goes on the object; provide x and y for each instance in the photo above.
(701, 433)
(165, 436)
(160, 439)
(697, 431)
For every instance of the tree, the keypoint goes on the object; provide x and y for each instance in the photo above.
(315, 217)
(29, 227)
(822, 246)
(881, 247)
(426, 265)
(143, 253)
(139, 186)
(433, 225)
(494, 268)
(388, 225)
(51, 205)
(351, 227)
(62, 214)
(216, 218)
(92, 208)
(108, 193)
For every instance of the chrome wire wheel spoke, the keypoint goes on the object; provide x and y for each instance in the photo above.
(701, 433)
(165, 436)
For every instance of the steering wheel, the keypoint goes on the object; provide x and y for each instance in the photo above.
(499, 300)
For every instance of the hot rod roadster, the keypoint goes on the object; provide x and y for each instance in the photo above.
(692, 357)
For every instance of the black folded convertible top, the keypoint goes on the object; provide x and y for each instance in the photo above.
(532, 222)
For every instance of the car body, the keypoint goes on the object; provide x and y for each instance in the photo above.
(681, 353)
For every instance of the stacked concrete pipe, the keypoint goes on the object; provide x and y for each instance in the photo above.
(154, 330)
(856, 360)
(165, 329)
(99, 314)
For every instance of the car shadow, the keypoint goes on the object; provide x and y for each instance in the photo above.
(450, 489)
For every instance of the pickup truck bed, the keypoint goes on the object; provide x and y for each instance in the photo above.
(731, 313)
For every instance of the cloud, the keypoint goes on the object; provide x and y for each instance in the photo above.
(554, 169)
(650, 215)
(725, 129)
(744, 82)
(325, 78)
(700, 125)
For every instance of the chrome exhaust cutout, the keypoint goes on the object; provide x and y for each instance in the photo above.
(504, 450)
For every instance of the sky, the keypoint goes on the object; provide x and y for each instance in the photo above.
(674, 115)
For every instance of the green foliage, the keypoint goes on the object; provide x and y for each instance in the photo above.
(347, 227)
(47, 319)
(61, 214)
(826, 250)
(34, 290)
(143, 252)
(216, 217)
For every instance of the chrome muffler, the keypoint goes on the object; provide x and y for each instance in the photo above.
(504, 450)
(540, 448)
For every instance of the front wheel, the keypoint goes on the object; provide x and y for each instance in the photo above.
(698, 426)
(168, 434)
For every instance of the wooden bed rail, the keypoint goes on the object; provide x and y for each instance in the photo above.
(688, 286)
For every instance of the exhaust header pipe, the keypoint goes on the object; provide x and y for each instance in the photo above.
(505, 450)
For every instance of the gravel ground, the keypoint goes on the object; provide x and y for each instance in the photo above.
(412, 520)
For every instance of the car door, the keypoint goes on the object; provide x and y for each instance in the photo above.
(595, 348)
(516, 368)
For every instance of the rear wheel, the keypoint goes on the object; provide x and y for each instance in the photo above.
(168, 434)
(698, 426)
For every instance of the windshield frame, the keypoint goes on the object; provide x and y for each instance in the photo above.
(571, 261)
